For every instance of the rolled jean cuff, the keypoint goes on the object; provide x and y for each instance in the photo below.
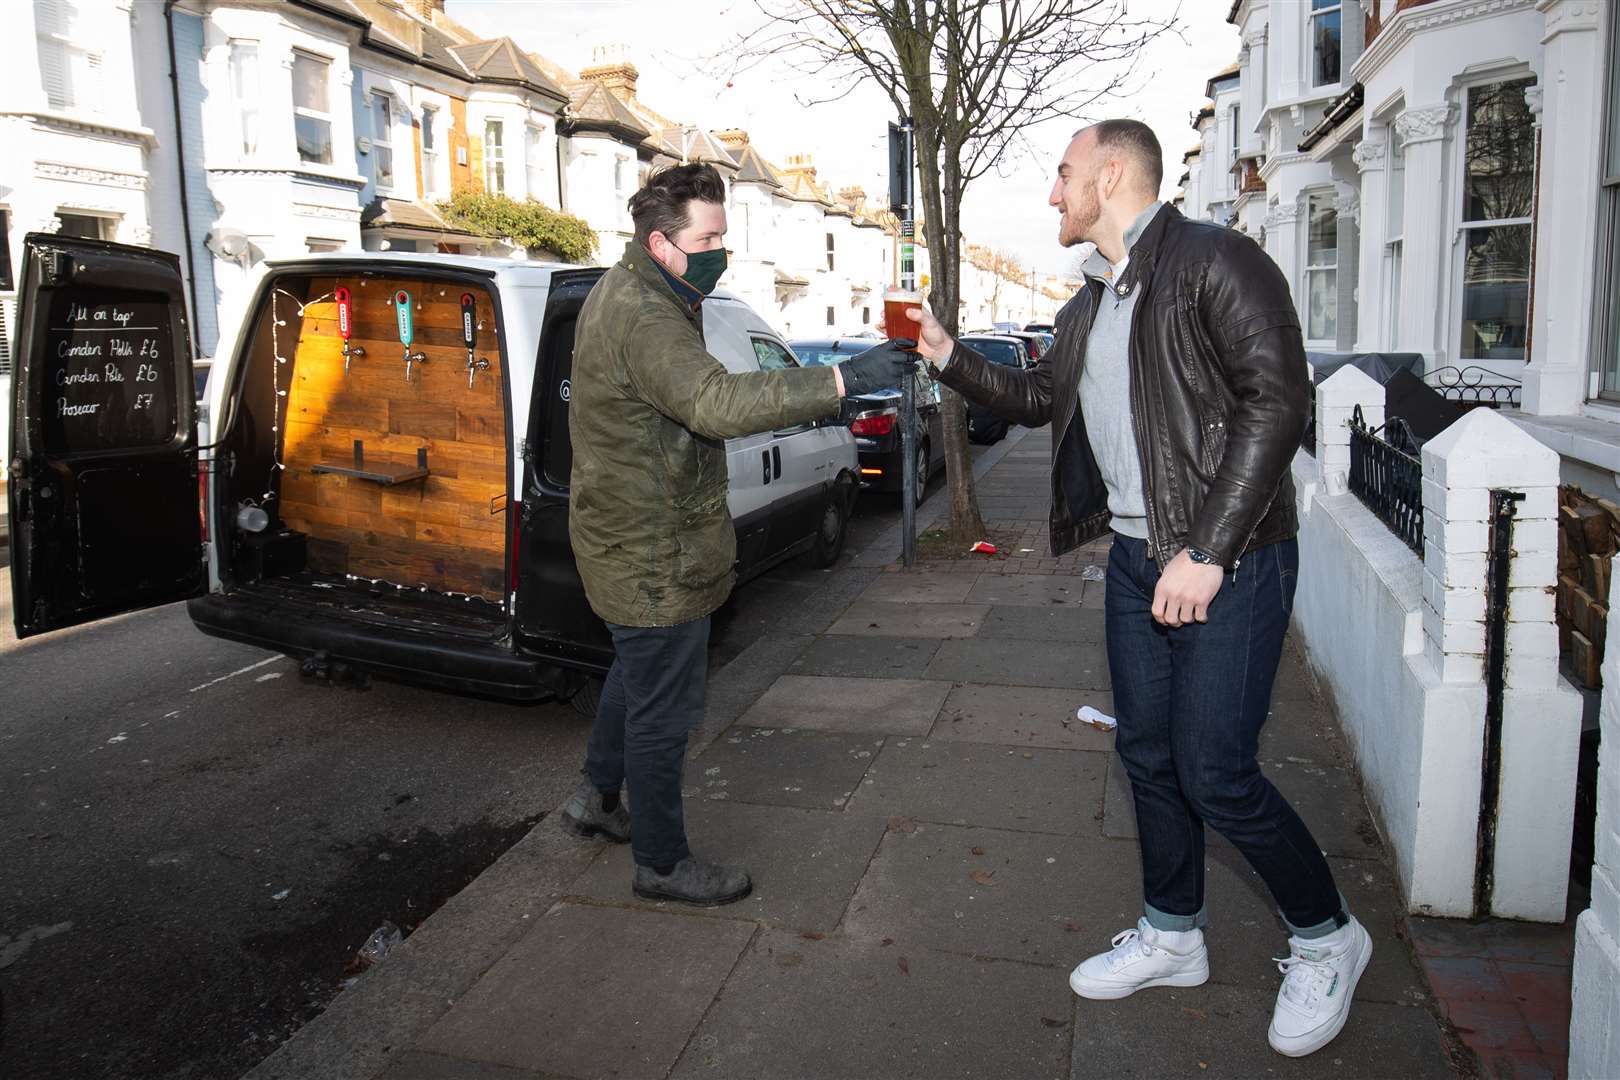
(1163, 920)
(1339, 919)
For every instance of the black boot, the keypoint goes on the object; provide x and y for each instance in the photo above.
(692, 881)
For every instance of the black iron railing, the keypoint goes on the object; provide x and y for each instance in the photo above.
(1475, 387)
(1387, 475)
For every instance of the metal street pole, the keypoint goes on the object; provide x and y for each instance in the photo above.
(900, 183)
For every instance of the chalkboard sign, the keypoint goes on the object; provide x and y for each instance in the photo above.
(110, 368)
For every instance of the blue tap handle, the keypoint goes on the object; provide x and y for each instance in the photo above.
(402, 302)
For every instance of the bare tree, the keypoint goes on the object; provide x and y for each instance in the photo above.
(975, 76)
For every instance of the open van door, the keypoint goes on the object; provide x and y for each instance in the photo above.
(105, 505)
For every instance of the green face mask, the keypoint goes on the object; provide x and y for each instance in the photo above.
(703, 268)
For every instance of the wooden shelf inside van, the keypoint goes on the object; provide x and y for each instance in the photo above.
(387, 473)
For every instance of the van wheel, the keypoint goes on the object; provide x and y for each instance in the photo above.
(831, 531)
(588, 698)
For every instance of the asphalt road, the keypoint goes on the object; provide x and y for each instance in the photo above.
(194, 841)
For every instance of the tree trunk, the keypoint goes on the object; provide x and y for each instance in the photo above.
(941, 195)
(967, 523)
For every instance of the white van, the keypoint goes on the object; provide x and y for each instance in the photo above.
(387, 490)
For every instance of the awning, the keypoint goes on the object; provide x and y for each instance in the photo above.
(788, 280)
(406, 216)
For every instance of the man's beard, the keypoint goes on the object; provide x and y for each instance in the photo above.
(1072, 228)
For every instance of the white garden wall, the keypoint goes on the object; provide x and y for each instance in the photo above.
(1594, 1029)
(1399, 643)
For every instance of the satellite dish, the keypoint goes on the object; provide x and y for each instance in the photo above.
(227, 242)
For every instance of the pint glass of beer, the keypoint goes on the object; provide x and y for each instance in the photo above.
(895, 303)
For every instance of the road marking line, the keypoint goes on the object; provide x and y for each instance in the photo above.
(234, 674)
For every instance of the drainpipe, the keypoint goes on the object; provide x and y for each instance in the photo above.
(180, 156)
(556, 130)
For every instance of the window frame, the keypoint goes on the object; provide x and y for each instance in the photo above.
(384, 140)
(1605, 347)
(495, 155)
(533, 161)
(1394, 239)
(1462, 226)
(106, 224)
(831, 251)
(248, 97)
(791, 361)
(1312, 14)
(73, 51)
(308, 112)
(430, 152)
(1330, 197)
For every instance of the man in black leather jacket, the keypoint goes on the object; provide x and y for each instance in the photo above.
(1177, 393)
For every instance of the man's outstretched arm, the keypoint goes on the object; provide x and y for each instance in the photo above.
(1022, 396)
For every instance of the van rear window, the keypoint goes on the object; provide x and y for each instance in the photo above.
(109, 371)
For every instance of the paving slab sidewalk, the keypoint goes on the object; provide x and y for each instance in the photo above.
(935, 841)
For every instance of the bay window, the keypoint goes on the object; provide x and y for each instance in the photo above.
(1394, 236)
(245, 85)
(1322, 267)
(69, 66)
(1498, 174)
(494, 157)
(1607, 291)
(312, 108)
(430, 153)
(534, 160)
(382, 141)
(1324, 40)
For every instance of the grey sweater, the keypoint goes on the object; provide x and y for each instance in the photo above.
(1105, 390)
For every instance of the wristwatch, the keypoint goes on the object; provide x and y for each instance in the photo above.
(1201, 557)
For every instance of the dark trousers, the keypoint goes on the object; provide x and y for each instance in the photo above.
(651, 701)
(1191, 701)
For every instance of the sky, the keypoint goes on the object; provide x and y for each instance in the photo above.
(688, 73)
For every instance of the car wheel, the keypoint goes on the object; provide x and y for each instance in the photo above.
(831, 531)
(921, 491)
(588, 698)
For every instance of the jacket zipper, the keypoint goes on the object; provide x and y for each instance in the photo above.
(1137, 425)
(1083, 332)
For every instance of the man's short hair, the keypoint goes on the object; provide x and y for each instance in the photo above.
(1134, 140)
(661, 204)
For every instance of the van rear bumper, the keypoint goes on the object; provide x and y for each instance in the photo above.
(442, 661)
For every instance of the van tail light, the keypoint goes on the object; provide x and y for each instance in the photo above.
(202, 497)
(876, 422)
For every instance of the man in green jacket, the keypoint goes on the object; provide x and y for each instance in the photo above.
(649, 414)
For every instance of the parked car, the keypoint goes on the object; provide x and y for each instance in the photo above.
(1040, 327)
(388, 487)
(1036, 344)
(876, 422)
(985, 426)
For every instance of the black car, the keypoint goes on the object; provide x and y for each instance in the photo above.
(985, 426)
(876, 425)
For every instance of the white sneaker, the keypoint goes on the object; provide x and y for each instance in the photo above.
(1319, 979)
(1141, 958)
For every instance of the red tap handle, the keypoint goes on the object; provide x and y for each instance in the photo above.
(469, 321)
(345, 317)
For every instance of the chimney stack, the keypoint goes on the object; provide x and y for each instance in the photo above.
(611, 66)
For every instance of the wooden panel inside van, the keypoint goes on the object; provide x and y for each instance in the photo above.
(447, 530)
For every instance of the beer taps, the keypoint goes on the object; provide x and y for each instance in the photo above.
(345, 307)
(402, 304)
(469, 337)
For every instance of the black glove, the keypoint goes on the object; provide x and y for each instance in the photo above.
(879, 368)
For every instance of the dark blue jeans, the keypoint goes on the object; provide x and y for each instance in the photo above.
(652, 699)
(1191, 701)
